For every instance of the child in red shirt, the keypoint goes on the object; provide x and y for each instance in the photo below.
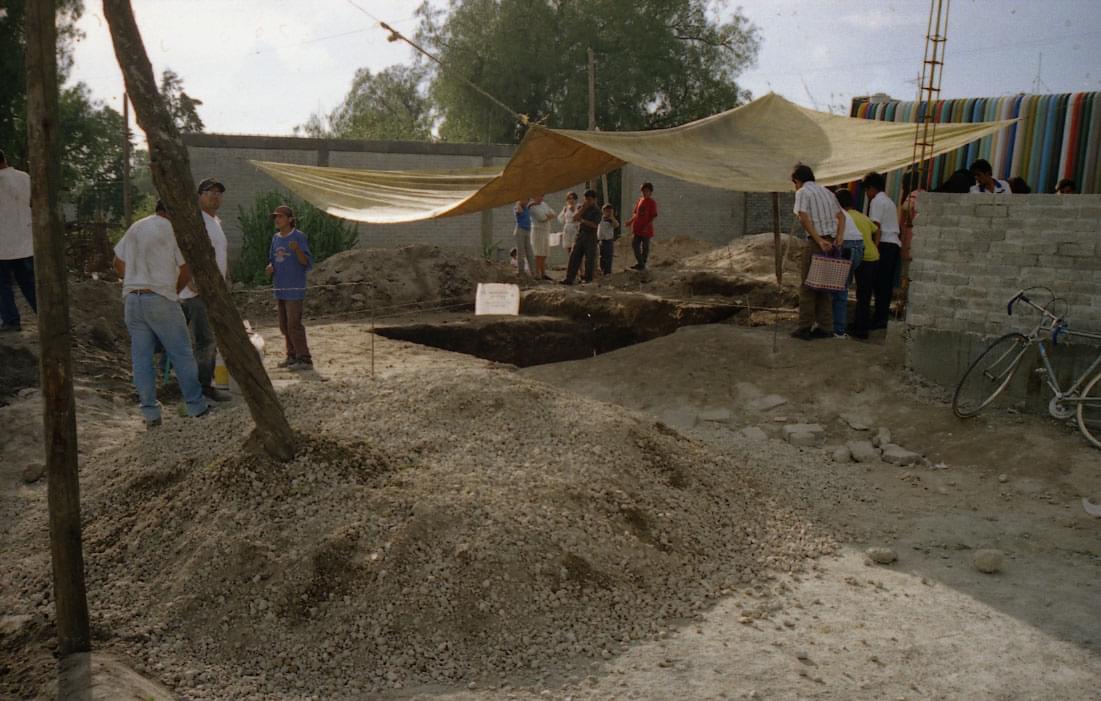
(642, 225)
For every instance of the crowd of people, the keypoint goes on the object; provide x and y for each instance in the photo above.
(876, 245)
(589, 232)
(165, 312)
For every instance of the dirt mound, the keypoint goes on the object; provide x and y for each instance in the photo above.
(752, 256)
(477, 524)
(664, 252)
(389, 279)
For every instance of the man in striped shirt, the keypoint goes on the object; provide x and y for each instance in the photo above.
(824, 221)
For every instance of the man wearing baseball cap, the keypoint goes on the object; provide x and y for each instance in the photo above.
(194, 308)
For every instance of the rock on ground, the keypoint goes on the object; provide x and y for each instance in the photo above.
(989, 561)
(897, 455)
(882, 556)
(863, 451)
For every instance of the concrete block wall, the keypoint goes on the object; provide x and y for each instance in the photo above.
(972, 253)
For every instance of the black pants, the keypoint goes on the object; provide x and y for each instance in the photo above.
(607, 252)
(641, 247)
(865, 284)
(584, 247)
(889, 259)
(22, 270)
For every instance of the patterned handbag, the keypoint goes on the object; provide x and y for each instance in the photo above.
(828, 273)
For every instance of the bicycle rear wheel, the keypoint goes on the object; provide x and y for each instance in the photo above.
(989, 375)
(1089, 412)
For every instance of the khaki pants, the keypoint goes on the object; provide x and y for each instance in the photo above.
(814, 306)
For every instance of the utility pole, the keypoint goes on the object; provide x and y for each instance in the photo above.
(592, 111)
(171, 170)
(127, 208)
(56, 361)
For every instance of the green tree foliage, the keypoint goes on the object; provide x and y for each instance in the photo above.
(390, 104)
(327, 234)
(182, 107)
(92, 168)
(13, 69)
(659, 62)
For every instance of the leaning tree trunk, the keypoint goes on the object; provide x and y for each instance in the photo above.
(172, 177)
(56, 362)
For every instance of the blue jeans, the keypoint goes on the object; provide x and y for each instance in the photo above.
(151, 318)
(22, 269)
(854, 251)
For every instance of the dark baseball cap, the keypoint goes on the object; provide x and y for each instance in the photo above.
(210, 184)
(284, 210)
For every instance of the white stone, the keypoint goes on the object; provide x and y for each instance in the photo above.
(767, 403)
(753, 434)
(720, 414)
(897, 455)
(882, 437)
(841, 454)
(882, 556)
(857, 422)
(863, 451)
(989, 561)
(680, 417)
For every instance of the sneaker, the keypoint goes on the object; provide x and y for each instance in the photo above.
(152, 424)
(201, 414)
(859, 335)
(12, 328)
(803, 334)
(567, 282)
(819, 333)
(840, 336)
(216, 394)
(302, 364)
(285, 363)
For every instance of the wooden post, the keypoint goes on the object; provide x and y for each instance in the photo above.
(127, 207)
(171, 171)
(779, 254)
(592, 111)
(56, 362)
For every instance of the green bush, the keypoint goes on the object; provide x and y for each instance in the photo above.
(327, 234)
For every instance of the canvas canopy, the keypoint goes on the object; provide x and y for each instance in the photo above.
(752, 148)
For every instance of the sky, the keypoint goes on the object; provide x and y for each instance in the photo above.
(264, 66)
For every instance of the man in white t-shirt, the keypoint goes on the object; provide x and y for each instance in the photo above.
(153, 272)
(16, 244)
(887, 237)
(824, 221)
(985, 182)
(198, 321)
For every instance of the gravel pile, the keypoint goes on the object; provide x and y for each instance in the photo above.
(752, 255)
(451, 526)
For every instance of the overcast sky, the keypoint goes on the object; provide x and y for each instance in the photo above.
(263, 66)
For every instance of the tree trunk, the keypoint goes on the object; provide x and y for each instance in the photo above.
(171, 170)
(56, 363)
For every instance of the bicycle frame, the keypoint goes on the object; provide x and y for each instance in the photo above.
(1053, 326)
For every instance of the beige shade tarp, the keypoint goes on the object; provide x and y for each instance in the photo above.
(752, 148)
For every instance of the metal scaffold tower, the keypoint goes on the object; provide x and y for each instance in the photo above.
(932, 69)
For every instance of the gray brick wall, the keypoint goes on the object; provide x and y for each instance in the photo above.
(973, 252)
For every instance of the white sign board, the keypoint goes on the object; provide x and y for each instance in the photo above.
(555, 240)
(497, 298)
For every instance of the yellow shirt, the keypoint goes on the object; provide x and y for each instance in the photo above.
(871, 253)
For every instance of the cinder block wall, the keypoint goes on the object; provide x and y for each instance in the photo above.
(972, 253)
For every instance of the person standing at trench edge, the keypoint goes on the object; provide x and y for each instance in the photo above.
(194, 307)
(642, 225)
(822, 218)
(289, 259)
(884, 214)
(588, 217)
(16, 244)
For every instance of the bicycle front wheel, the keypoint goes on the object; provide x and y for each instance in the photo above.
(989, 375)
(1089, 412)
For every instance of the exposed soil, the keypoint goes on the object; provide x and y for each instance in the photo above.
(631, 525)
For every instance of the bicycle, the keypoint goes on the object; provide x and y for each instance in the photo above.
(993, 370)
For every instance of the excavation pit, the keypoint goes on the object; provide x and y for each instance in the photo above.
(559, 325)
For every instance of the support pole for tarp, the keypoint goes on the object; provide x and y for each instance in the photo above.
(56, 361)
(779, 255)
